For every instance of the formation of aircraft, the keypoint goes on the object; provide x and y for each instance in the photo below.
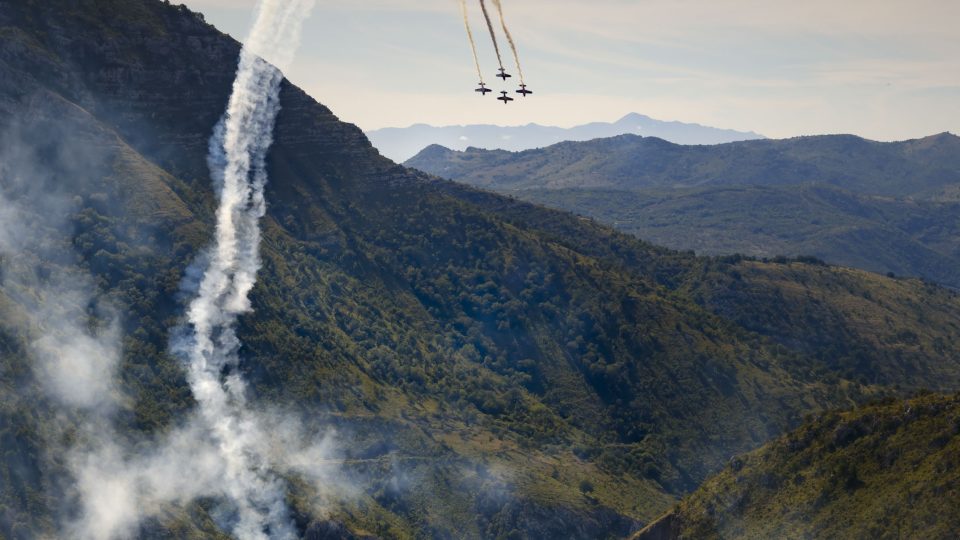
(504, 97)
(502, 72)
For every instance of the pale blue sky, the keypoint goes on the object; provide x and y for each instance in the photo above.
(881, 69)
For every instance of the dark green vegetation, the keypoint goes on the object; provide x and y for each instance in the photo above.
(495, 369)
(880, 234)
(883, 207)
(887, 470)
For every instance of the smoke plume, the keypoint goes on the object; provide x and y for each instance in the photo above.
(493, 35)
(506, 31)
(473, 45)
(226, 449)
(238, 151)
(72, 334)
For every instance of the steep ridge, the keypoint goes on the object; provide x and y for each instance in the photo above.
(492, 366)
(888, 470)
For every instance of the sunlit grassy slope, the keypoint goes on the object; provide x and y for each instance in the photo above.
(887, 470)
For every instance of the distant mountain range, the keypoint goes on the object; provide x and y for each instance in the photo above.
(400, 144)
(884, 207)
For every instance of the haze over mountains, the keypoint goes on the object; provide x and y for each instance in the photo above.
(475, 366)
(400, 144)
(885, 207)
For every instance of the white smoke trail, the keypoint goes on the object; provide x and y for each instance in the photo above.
(513, 46)
(237, 157)
(473, 45)
(493, 35)
(223, 450)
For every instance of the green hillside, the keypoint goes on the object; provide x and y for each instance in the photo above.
(888, 470)
(904, 236)
(883, 207)
(493, 368)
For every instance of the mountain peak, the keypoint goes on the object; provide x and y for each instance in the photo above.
(945, 136)
(435, 151)
(402, 143)
(633, 117)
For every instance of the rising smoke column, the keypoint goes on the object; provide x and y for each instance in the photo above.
(473, 45)
(237, 157)
(506, 31)
(493, 35)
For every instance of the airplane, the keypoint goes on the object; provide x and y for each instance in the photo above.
(523, 90)
(483, 89)
(503, 74)
(505, 98)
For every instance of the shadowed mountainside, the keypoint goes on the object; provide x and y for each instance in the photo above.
(908, 237)
(883, 207)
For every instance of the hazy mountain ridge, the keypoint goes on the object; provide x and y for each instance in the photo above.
(884, 207)
(917, 168)
(495, 368)
(403, 143)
